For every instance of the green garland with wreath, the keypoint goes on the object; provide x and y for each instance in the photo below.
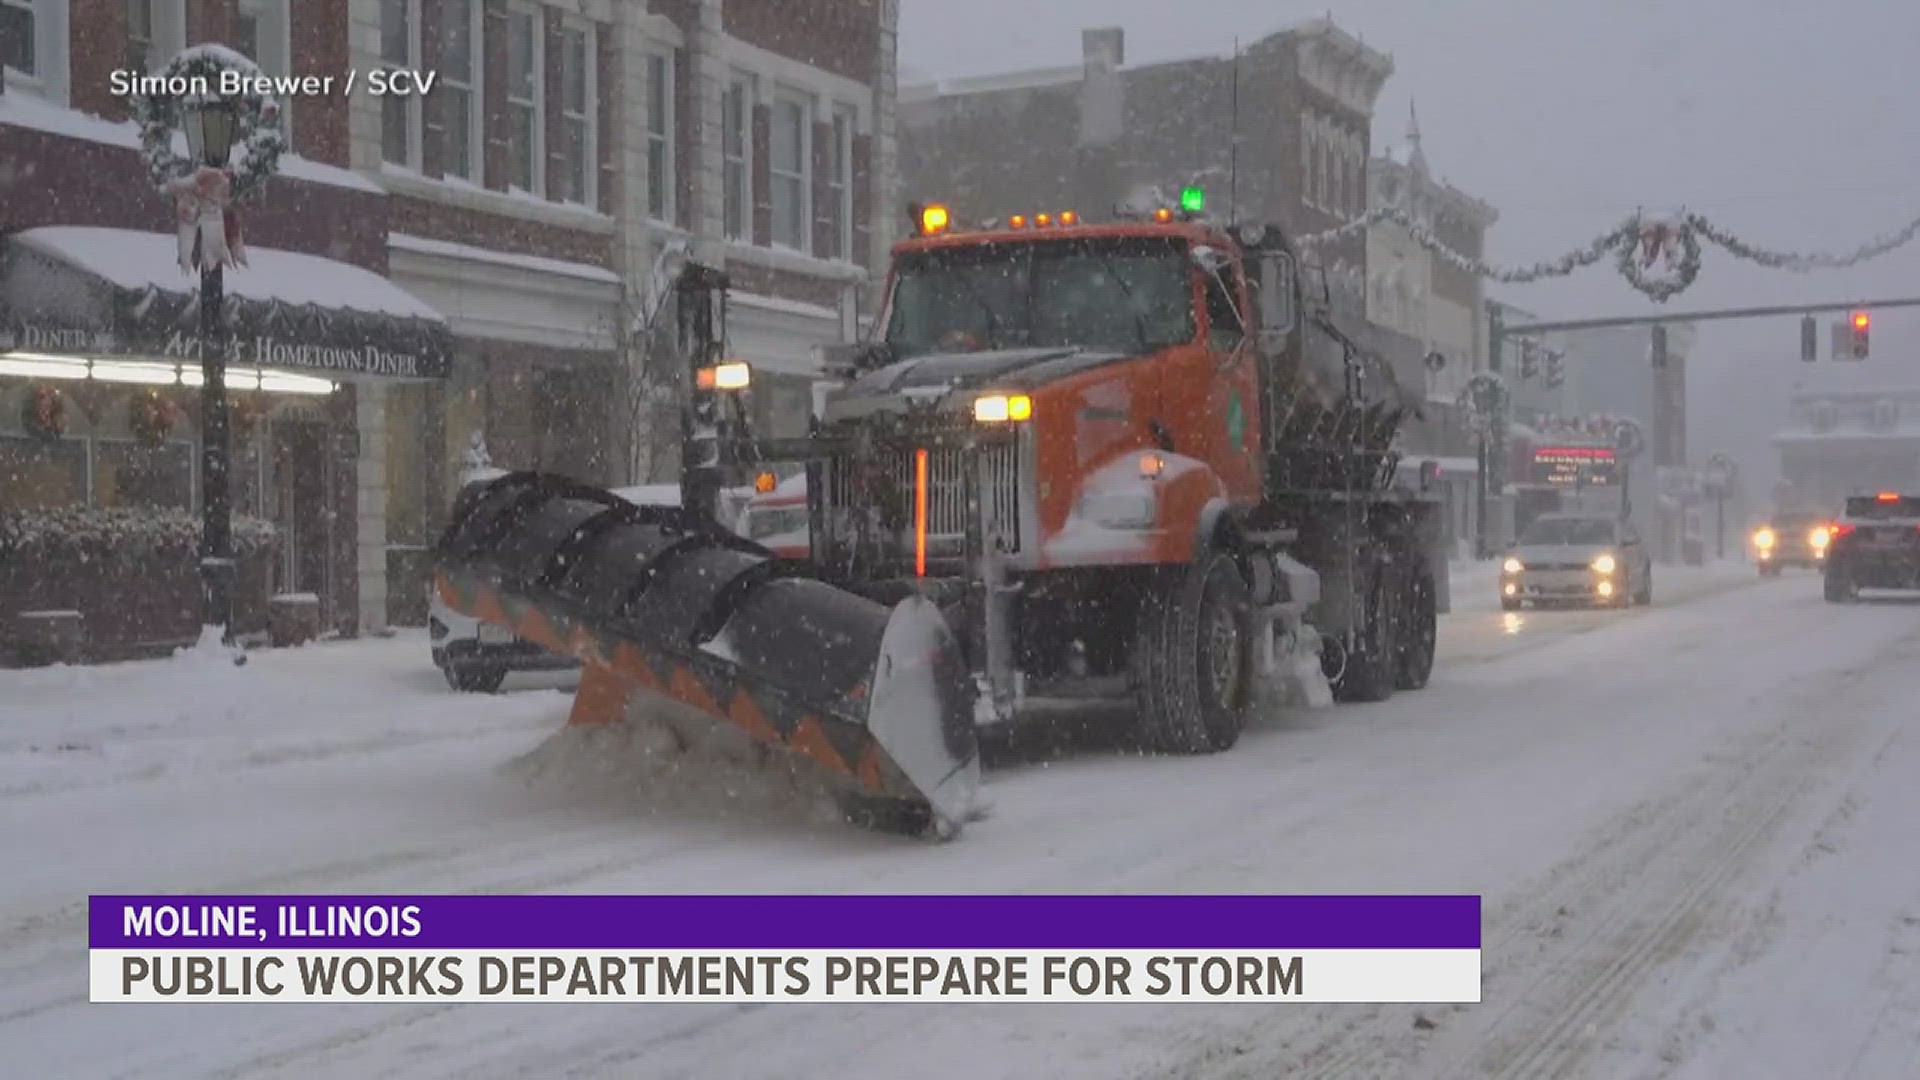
(260, 135)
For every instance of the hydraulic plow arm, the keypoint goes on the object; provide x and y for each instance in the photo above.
(651, 600)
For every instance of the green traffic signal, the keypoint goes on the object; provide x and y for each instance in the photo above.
(1193, 200)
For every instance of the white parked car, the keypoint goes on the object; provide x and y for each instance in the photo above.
(476, 657)
(1577, 559)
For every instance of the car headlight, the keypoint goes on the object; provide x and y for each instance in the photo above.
(1604, 564)
(1513, 565)
(1763, 538)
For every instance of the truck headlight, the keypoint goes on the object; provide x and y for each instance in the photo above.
(732, 375)
(1819, 537)
(1603, 565)
(1002, 408)
(1120, 509)
(1763, 539)
(1513, 565)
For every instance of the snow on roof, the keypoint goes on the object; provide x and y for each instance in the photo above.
(452, 250)
(782, 304)
(28, 111)
(136, 260)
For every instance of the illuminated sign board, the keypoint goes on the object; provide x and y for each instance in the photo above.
(1576, 466)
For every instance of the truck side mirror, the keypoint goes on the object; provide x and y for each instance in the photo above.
(1210, 259)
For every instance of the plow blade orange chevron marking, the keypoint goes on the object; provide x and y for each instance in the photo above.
(652, 601)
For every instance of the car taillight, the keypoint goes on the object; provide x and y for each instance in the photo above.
(1841, 530)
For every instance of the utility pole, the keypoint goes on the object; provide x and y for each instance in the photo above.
(1496, 341)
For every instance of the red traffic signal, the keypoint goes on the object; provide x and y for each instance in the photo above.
(1860, 323)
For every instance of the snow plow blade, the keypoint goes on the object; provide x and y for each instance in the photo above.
(653, 600)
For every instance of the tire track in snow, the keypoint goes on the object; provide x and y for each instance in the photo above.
(1538, 920)
(1664, 885)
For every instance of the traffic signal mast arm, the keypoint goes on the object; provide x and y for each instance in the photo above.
(1514, 330)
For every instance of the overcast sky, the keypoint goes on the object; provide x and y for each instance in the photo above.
(1795, 124)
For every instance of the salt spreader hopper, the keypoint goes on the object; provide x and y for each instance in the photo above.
(653, 600)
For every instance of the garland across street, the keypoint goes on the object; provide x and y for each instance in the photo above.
(1660, 257)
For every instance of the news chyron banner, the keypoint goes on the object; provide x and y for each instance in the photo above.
(736, 949)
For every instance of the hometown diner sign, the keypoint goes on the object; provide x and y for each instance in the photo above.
(339, 344)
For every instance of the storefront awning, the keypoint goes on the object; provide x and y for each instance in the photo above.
(77, 291)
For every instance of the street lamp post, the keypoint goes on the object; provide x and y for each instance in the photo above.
(210, 130)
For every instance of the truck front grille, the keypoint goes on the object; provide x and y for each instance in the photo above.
(878, 487)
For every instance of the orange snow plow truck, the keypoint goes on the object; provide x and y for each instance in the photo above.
(1137, 456)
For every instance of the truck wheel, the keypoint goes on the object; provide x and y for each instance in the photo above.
(1837, 589)
(1769, 569)
(1418, 633)
(1191, 661)
(1368, 673)
(1645, 596)
(476, 679)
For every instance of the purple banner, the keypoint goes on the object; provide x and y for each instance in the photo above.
(1007, 923)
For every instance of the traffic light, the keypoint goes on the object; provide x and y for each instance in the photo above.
(1556, 370)
(1659, 347)
(1859, 324)
(1809, 340)
(1529, 359)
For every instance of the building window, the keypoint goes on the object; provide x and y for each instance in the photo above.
(788, 171)
(400, 115)
(19, 34)
(454, 94)
(838, 213)
(140, 43)
(660, 173)
(736, 150)
(576, 151)
(261, 33)
(526, 99)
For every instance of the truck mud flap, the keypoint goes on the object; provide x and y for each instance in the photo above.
(651, 600)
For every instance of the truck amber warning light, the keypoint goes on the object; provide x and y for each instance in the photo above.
(934, 219)
(1000, 408)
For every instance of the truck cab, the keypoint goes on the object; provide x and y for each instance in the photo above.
(1098, 446)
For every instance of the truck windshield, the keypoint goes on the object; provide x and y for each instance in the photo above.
(1569, 531)
(1122, 295)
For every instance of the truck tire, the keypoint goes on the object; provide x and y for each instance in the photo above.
(1838, 589)
(1368, 672)
(1191, 662)
(1419, 632)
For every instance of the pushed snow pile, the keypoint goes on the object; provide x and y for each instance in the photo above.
(670, 756)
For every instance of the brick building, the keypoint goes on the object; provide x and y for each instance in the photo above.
(516, 211)
(1101, 133)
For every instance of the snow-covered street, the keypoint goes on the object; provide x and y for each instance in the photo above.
(1692, 825)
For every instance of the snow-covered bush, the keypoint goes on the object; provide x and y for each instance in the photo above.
(83, 534)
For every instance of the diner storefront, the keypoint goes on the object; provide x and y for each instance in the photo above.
(100, 398)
